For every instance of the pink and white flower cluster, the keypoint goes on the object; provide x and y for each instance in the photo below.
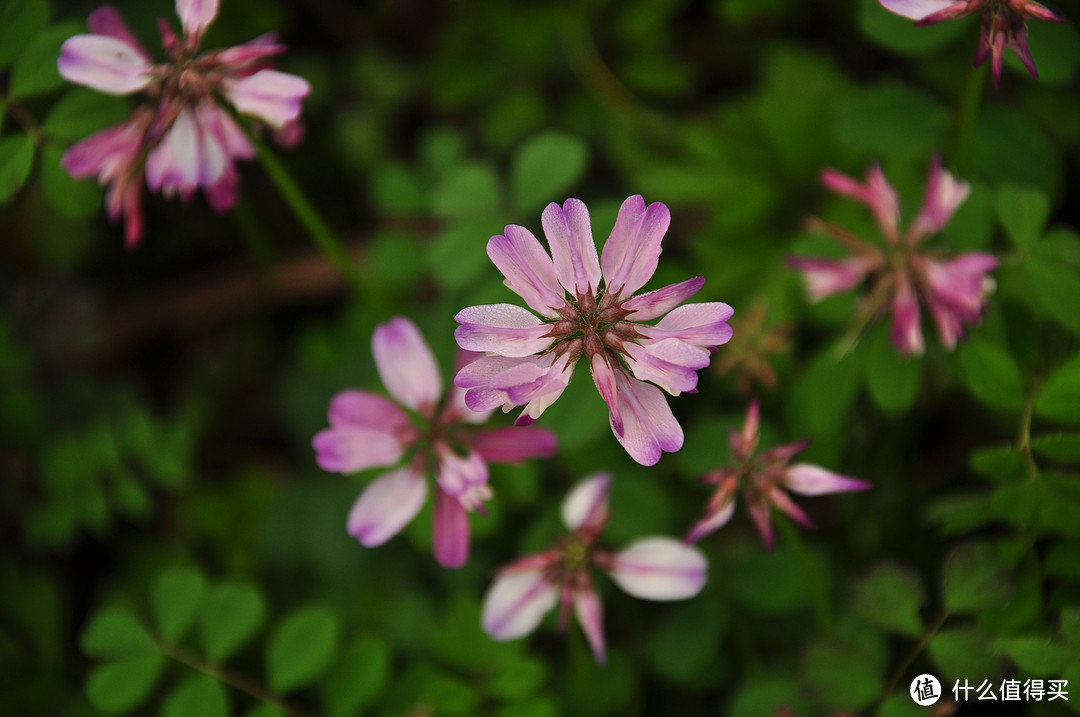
(529, 360)
(1004, 25)
(184, 138)
(904, 277)
(419, 435)
(653, 568)
(764, 481)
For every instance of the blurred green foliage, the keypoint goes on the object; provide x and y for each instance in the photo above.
(171, 548)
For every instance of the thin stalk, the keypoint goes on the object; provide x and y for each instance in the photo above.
(811, 574)
(966, 119)
(894, 678)
(233, 680)
(1023, 438)
(24, 118)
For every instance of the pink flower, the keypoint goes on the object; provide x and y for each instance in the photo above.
(764, 482)
(182, 139)
(654, 568)
(529, 360)
(1003, 24)
(901, 279)
(413, 433)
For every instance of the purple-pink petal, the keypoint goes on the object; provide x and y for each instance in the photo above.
(528, 269)
(944, 194)
(657, 303)
(196, 15)
(604, 379)
(671, 363)
(825, 277)
(516, 603)
(808, 479)
(649, 427)
(104, 63)
(174, 166)
(347, 450)
(504, 329)
(363, 409)
(573, 252)
(406, 365)
(917, 9)
(877, 194)
(450, 531)
(585, 507)
(271, 96)
(716, 517)
(590, 615)
(660, 568)
(704, 325)
(513, 445)
(632, 251)
(456, 475)
(906, 330)
(107, 20)
(386, 506)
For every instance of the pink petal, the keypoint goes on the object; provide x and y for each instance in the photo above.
(660, 569)
(961, 283)
(944, 194)
(825, 277)
(657, 303)
(906, 331)
(173, 166)
(406, 365)
(585, 508)
(744, 443)
(528, 270)
(513, 445)
(703, 325)
(808, 479)
(604, 378)
(347, 450)
(271, 96)
(503, 329)
(783, 501)
(386, 506)
(104, 63)
(916, 9)
(573, 252)
(516, 603)
(632, 251)
(108, 21)
(590, 615)
(500, 381)
(196, 15)
(456, 474)
(877, 194)
(671, 364)
(648, 424)
(242, 56)
(450, 531)
(716, 517)
(110, 153)
(362, 409)
(761, 513)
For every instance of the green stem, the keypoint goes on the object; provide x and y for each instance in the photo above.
(967, 119)
(24, 118)
(235, 681)
(811, 574)
(311, 220)
(1023, 438)
(894, 678)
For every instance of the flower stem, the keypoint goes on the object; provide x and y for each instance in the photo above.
(894, 678)
(309, 217)
(235, 681)
(967, 118)
(811, 574)
(1023, 438)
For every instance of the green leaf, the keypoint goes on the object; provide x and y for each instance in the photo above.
(34, 72)
(893, 379)
(175, 599)
(1070, 626)
(467, 189)
(1023, 211)
(766, 697)
(546, 167)
(1001, 464)
(80, 112)
(1010, 146)
(458, 257)
(1059, 398)
(356, 678)
(200, 695)
(74, 199)
(119, 687)
(1055, 287)
(231, 614)
(396, 189)
(890, 117)
(842, 676)
(991, 373)
(536, 707)
(116, 633)
(975, 579)
(1037, 656)
(964, 652)
(16, 161)
(890, 597)
(301, 648)
(518, 679)
(1061, 447)
(771, 584)
(1063, 561)
(684, 646)
(20, 21)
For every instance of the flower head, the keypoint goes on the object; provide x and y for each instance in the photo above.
(1004, 24)
(903, 277)
(415, 434)
(529, 360)
(184, 137)
(654, 568)
(765, 481)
